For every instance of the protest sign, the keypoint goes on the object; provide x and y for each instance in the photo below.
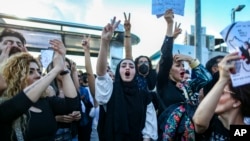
(237, 38)
(46, 57)
(159, 7)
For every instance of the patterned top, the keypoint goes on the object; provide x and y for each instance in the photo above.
(178, 103)
(166, 88)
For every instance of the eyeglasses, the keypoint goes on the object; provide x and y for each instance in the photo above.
(227, 91)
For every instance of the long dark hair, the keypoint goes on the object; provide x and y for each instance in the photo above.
(54, 83)
(142, 56)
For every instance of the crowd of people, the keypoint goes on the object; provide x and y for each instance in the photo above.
(137, 102)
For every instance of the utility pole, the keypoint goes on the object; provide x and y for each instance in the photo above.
(197, 36)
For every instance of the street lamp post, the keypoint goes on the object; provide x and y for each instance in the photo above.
(237, 9)
(198, 51)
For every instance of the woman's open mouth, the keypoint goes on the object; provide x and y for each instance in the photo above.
(127, 73)
(182, 74)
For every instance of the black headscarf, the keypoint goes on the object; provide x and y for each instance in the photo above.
(126, 111)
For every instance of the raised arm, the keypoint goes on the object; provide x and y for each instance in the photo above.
(106, 37)
(127, 37)
(74, 75)
(88, 66)
(103, 82)
(202, 119)
(169, 18)
(68, 85)
(177, 30)
(35, 90)
(166, 59)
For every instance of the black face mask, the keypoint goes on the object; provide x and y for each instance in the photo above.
(143, 69)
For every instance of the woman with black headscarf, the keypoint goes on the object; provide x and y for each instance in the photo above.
(146, 75)
(126, 112)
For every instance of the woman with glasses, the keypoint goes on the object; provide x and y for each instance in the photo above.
(224, 105)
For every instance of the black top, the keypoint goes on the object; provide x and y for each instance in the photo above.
(148, 82)
(172, 98)
(40, 126)
(166, 88)
(216, 131)
(11, 110)
(168, 92)
(210, 85)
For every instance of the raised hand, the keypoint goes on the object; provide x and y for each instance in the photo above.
(182, 57)
(86, 42)
(127, 37)
(127, 25)
(60, 51)
(58, 47)
(227, 65)
(5, 52)
(169, 16)
(109, 29)
(73, 66)
(177, 30)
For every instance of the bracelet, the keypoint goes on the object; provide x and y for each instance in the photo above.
(193, 60)
(126, 36)
(194, 63)
(64, 72)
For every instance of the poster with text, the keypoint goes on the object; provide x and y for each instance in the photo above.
(159, 7)
(237, 38)
(46, 57)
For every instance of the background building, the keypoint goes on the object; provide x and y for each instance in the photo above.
(210, 46)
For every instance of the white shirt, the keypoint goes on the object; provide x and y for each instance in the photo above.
(103, 91)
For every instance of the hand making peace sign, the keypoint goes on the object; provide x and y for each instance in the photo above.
(109, 29)
(127, 25)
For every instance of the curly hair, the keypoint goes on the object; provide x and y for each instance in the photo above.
(15, 71)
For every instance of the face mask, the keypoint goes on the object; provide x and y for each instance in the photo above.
(143, 69)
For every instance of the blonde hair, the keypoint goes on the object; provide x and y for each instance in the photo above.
(15, 71)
